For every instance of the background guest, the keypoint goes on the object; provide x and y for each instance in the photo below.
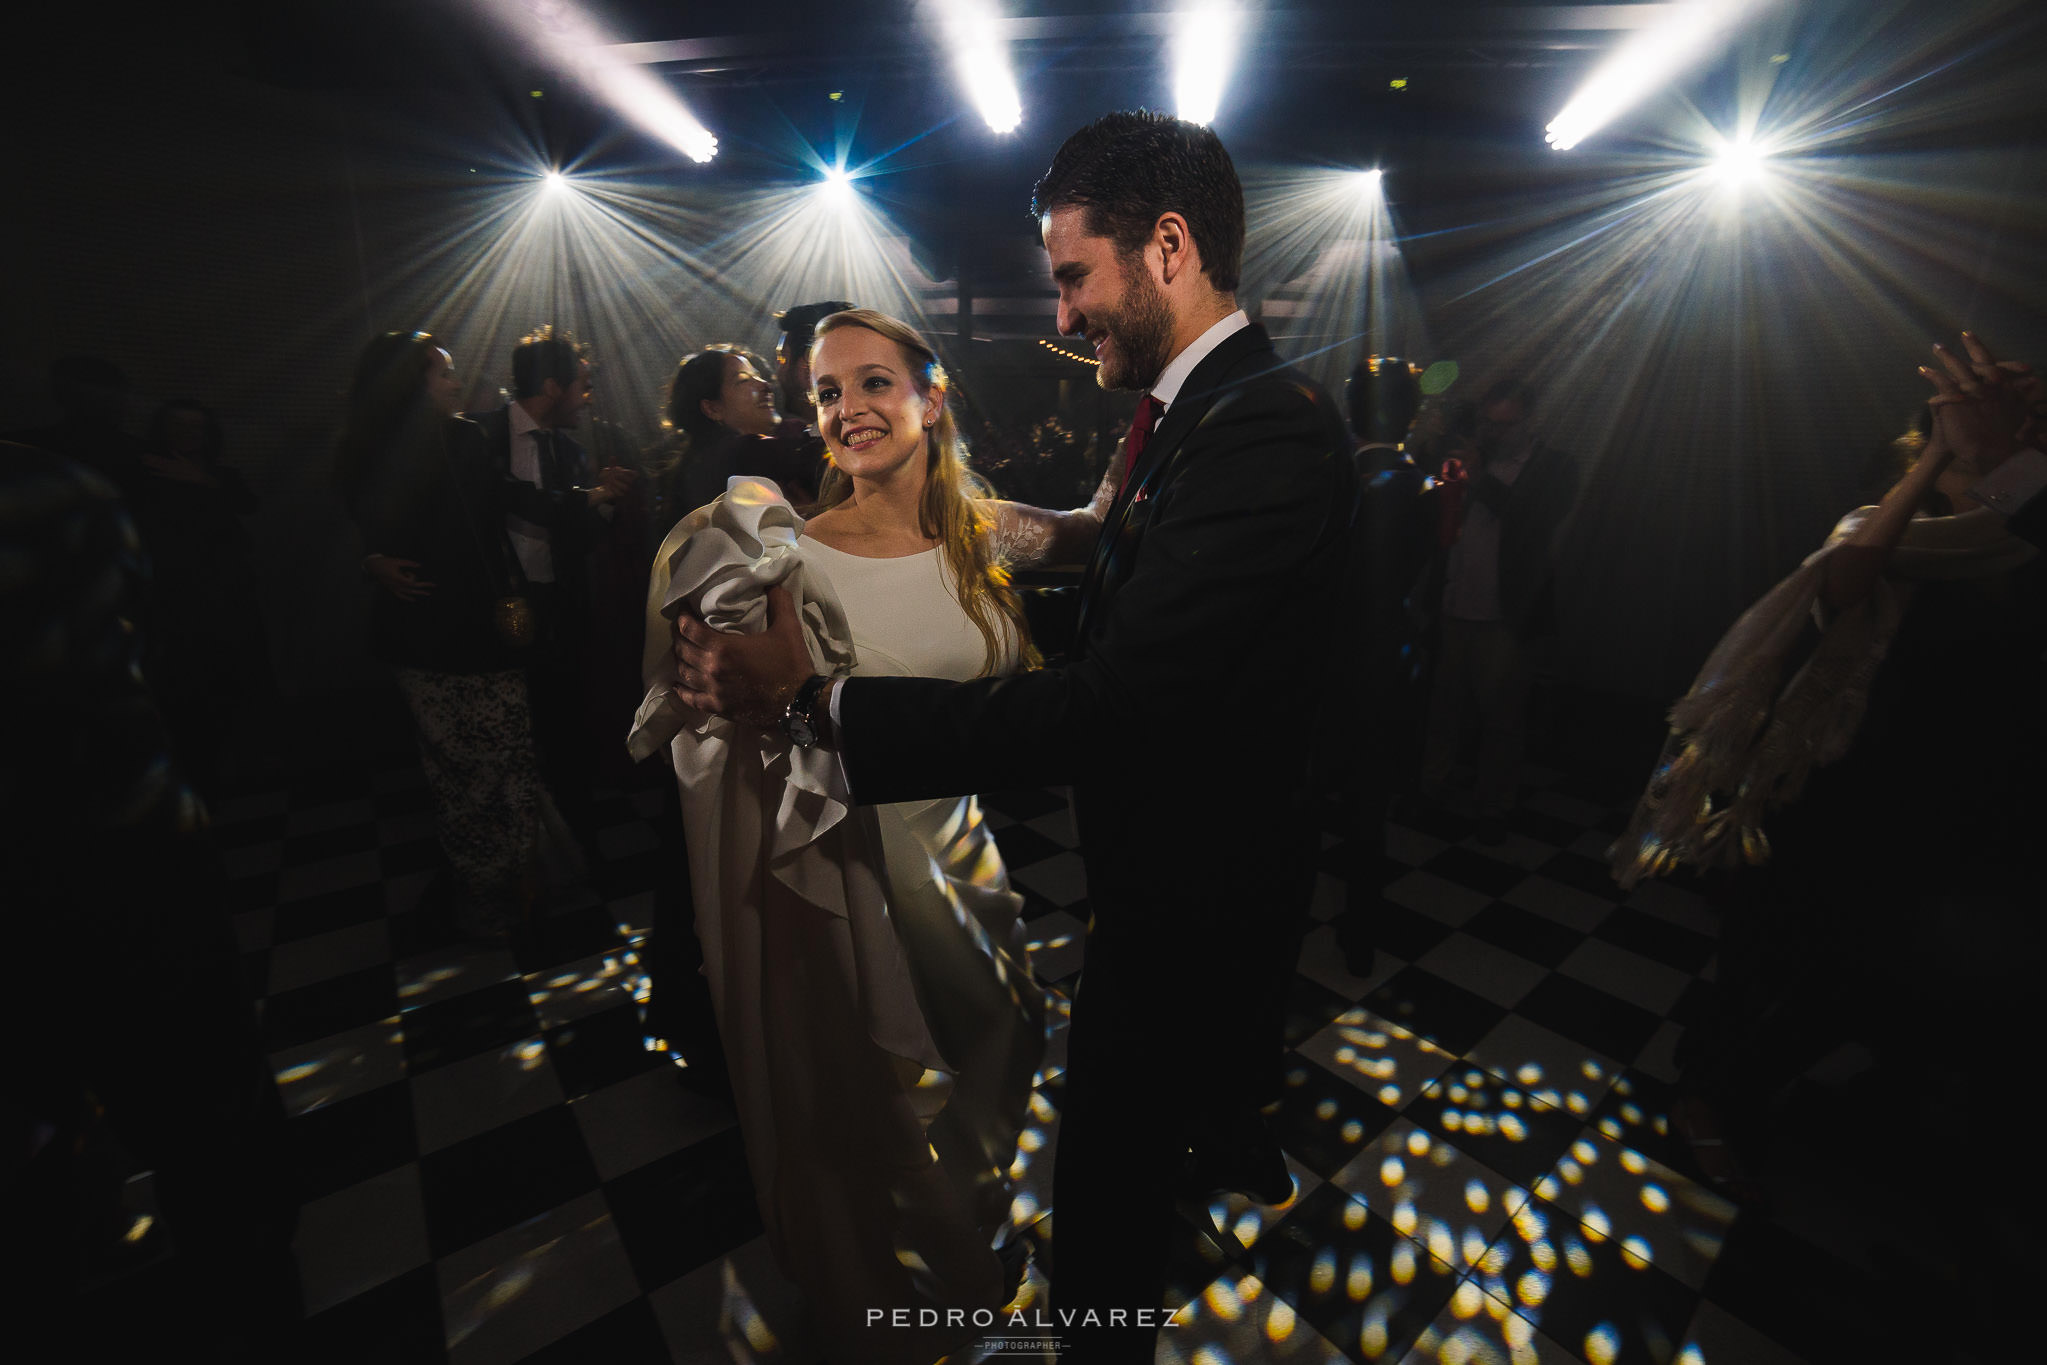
(1498, 601)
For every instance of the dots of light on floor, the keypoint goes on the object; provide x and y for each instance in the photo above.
(1476, 1197)
(1602, 1345)
(1532, 1288)
(1404, 1217)
(1391, 1172)
(1633, 1162)
(1404, 1263)
(1468, 1301)
(1654, 1199)
(1322, 1274)
(1637, 1252)
(1357, 1286)
(1417, 1143)
(1597, 1225)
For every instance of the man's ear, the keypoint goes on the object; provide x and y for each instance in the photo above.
(1173, 240)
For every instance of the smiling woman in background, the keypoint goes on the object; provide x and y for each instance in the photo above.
(721, 418)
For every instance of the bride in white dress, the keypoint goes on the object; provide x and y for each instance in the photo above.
(867, 964)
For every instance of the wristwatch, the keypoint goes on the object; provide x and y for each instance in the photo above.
(796, 722)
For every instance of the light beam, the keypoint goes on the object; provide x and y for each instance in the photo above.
(1203, 48)
(1650, 58)
(983, 62)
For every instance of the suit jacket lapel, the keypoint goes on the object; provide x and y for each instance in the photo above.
(1196, 396)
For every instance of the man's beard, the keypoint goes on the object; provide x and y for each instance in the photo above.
(1141, 333)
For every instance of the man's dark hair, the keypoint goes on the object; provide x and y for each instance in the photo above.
(1384, 397)
(544, 354)
(801, 321)
(1125, 169)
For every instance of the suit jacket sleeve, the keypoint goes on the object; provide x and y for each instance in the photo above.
(1207, 622)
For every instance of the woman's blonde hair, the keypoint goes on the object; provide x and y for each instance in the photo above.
(948, 511)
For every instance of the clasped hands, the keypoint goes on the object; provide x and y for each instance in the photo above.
(747, 678)
(1985, 410)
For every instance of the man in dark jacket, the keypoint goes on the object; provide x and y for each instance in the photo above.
(1184, 721)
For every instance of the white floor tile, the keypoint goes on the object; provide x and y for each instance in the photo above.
(1430, 1191)
(591, 985)
(326, 956)
(360, 1237)
(630, 1123)
(1650, 1211)
(1380, 1058)
(1060, 879)
(451, 971)
(335, 1068)
(507, 1296)
(1567, 905)
(1487, 971)
(1443, 901)
(1628, 975)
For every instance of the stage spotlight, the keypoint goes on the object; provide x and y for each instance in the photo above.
(983, 63)
(1206, 41)
(838, 185)
(1652, 56)
(1738, 162)
(554, 182)
(1372, 181)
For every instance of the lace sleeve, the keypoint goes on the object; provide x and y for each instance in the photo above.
(1027, 536)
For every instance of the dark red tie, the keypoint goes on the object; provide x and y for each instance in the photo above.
(1148, 410)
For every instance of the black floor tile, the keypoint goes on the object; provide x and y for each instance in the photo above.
(1309, 1008)
(625, 1336)
(1818, 1305)
(249, 893)
(426, 928)
(1021, 846)
(350, 783)
(329, 843)
(1446, 1014)
(1586, 874)
(328, 1007)
(1196, 1255)
(1494, 1123)
(1583, 1291)
(414, 855)
(1548, 829)
(1535, 937)
(1636, 1113)
(1475, 870)
(544, 943)
(324, 913)
(632, 874)
(1658, 940)
(396, 1323)
(1323, 1120)
(1352, 1275)
(264, 829)
(464, 1025)
(681, 1211)
(496, 1179)
(597, 1051)
(1025, 804)
(344, 1143)
(405, 801)
(1587, 1015)
(1700, 998)
(1405, 933)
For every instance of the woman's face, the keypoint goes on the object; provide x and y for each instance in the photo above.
(870, 411)
(443, 389)
(746, 402)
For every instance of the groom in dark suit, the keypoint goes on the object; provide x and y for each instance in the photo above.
(1185, 723)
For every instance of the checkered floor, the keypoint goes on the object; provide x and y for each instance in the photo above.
(499, 1169)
